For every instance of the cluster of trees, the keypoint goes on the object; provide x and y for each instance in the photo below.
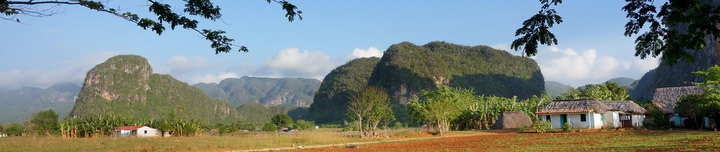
(458, 108)
(280, 121)
(707, 104)
(610, 91)
(46, 123)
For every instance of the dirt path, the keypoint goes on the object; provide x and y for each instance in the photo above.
(332, 147)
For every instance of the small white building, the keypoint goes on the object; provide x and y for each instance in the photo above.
(136, 131)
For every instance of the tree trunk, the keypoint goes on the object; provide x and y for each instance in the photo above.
(360, 127)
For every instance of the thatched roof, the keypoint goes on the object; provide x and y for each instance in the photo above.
(666, 97)
(513, 119)
(625, 106)
(574, 106)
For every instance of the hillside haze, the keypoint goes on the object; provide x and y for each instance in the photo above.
(19, 105)
(125, 85)
(288, 92)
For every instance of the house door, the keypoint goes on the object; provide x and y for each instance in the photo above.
(625, 121)
(563, 119)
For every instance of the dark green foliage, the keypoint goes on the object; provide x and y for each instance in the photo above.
(659, 121)
(610, 91)
(405, 69)
(282, 121)
(45, 122)
(19, 105)
(14, 129)
(266, 91)
(95, 125)
(269, 127)
(165, 15)
(255, 113)
(707, 104)
(535, 31)
(302, 124)
(124, 85)
(437, 108)
(178, 126)
(668, 30)
(330, 101)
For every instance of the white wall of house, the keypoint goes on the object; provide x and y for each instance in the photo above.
(592, 120)
(611, 119)
(147, 132)
(637, 120)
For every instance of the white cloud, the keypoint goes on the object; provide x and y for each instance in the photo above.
(72, 70)
(645, 64)
(180, 65)
(213, 78)
(360, 53)
(587, 67)
(292, 62)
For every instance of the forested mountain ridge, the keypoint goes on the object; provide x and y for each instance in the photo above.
(125, 85)
(406, 68)
(289, 92)
(19, 105)
(336, 88)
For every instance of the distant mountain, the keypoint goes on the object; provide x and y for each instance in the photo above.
(19, 105)
(554, 88)
(125, 85)
(289, 92)
(625, 82)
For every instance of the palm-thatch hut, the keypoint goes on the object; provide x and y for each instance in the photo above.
(630, 114)
(665, 98)
(513, 119)
(581, 113)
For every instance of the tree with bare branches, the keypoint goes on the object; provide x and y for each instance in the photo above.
(370, 107)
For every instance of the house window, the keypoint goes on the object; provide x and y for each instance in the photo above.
(547, 118)
(145, 131)
(583, 117)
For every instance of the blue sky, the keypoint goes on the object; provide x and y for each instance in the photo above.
(42, 51)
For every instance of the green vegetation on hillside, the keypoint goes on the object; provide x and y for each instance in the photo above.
(124, 85)
(407, 68)
(334, 93)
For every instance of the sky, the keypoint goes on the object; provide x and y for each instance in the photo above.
(42, 51)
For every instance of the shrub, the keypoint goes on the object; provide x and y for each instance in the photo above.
(397, 125)
(542, 126)
(302, 124)
(566, 126)
(269, 127)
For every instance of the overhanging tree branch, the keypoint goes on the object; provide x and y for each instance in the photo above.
(165, 15)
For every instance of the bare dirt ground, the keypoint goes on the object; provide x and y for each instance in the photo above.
(397, 145)
(505, 140)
